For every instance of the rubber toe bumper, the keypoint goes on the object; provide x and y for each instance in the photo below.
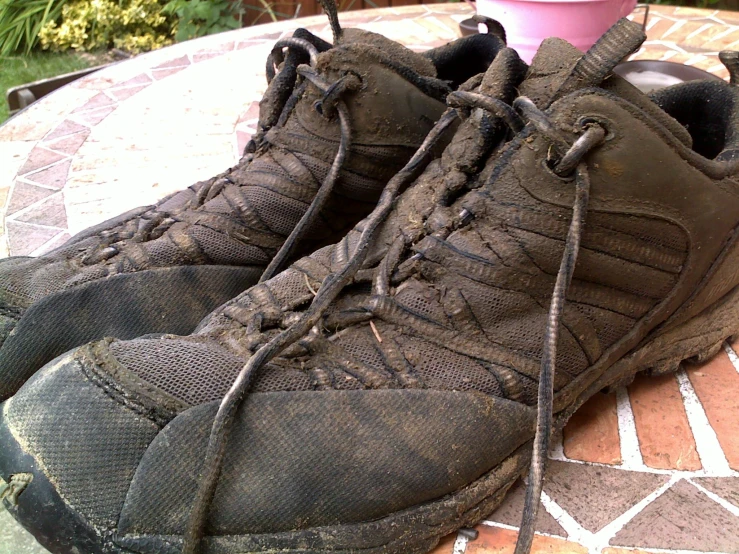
(81, 449)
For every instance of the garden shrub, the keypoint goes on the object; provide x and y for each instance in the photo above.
(131, 25)
(197, 18)
(21, 21)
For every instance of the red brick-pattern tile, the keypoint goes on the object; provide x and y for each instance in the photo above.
(24, 238)
(592, 433)
(495, 540)
(68, 144)
(38, 158)
(717, 385)
(100, 100)
(657, 30)
(725, 487)
(25, 194)
(595, 495)
(176, 62)
(203, 56)
(682, 518)
(65, 128)
(446, 545)
(160, 74)
(93, 117)
(50, 212)
(510, 510)
(54, 176)
(623, 551)
(242, 139)
(123, 93)
(142, 79)
(665, 438)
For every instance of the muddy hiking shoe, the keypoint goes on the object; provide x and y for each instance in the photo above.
(162, 268)
(387, 390)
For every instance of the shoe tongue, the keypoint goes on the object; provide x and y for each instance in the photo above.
(553, 63)
(359, 39)
(558, 68)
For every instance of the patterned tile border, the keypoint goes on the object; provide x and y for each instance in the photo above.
(648, 468)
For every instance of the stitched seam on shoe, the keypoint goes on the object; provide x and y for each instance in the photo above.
(96, 368)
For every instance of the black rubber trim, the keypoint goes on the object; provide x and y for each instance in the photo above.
(56, 526)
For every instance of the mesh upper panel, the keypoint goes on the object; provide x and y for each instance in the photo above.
(288, 287)
(225, 250)
(414, 300)
(279, 212)
(608, 325)
(191, 371)
(444, 369)
(195, 372)
(361, 347)
(163, 251)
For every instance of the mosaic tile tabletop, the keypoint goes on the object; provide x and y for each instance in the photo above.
(650, 468)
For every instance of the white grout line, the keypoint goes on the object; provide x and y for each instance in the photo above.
(630, 453)
(604, 536)
(652, 550)
(699, 30)
(595, 542)
(716, 68)
(709, 449)
(732, 356)
(45, 246)
(489, 523)
(460, 545)
(724, 33)
(652, 22)
(677, 25)
(667, 44)
(656, 471)
(33, 206)
(669, 54)
(695, 59)
(574, 530)
(725, 504)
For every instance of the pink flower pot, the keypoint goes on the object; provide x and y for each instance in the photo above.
(528, 22)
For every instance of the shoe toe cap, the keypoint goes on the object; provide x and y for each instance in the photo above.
(300, 460)
(84, 439)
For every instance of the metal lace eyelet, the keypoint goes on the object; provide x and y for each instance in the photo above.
(584, 122)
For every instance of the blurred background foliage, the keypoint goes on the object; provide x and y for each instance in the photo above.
(140, 25)
(44, 38)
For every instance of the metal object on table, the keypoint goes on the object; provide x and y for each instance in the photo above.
(649, 75)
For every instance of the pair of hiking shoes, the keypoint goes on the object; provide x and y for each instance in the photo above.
(389, 387)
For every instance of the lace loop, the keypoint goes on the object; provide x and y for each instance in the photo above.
(545, 399)
(541, 121)
(348, 82)
(276, 57)
(593, 135)
(495, 106)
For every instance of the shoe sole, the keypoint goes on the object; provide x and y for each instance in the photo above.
(412, 531)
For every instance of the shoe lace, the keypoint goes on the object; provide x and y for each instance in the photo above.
(154, 223)
(460, 103)
(563, 159)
